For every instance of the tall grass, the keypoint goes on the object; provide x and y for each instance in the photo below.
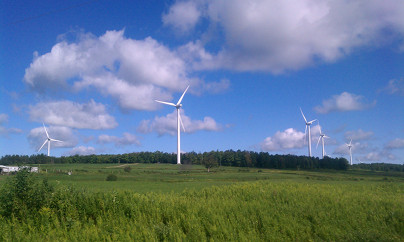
(248, 211)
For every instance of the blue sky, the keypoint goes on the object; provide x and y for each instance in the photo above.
(91, 70)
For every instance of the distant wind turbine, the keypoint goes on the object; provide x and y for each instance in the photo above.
(177, 106)
(322, 136)
(350, 151)
(48, 140)
(308, 128)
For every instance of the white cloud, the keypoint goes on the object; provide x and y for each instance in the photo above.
(357, 148)
(288, 139)
(183, 16)
(82, 150)
(89, 115)
(282, 35)
(359, 134)
(140, 97)
(343, 102)
(377, 156)
(132, 72)
(395, 144)
(127, 139)
(37, 137)
(395, 87)
(365, 152)
(168, 124)
(216, 87)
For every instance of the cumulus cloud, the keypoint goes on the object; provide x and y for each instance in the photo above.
(37, 137)
(127, 139)
(216, 87)
(395, 144)
(132, 72)
(168, 124)
(288, 139)
(377, 156)
(281, 35)
(82, 150)
(357, 135)
(366, 152)
(89, 115)
(359, 148)
(343, 102)
(183, 16)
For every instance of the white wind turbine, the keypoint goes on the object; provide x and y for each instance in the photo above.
(48, 139)
(350, 151)
(308, 128)
(177, 106)
(322, 136)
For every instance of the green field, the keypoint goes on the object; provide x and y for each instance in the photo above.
(171, 202)
(166, 178)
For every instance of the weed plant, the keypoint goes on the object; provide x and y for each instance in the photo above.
(31, 210)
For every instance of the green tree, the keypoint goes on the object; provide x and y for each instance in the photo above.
(210, 160)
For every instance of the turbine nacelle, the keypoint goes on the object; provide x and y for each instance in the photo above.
(350, 144)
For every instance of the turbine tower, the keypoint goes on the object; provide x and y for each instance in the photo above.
(48, 140)
(350, 151)
(308, 128)
(322, 136)
(177, 106)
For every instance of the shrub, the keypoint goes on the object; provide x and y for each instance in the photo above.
(112, 177)
(22, 195)
(127, 169)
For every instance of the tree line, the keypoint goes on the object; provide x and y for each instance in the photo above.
(209, 159)
(379, 167)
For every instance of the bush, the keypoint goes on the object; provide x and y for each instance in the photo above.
(112, 177)
(22, 195)
(127, 169)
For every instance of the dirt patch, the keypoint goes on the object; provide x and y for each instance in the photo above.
(118, 166)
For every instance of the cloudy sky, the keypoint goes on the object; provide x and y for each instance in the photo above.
(91, 70)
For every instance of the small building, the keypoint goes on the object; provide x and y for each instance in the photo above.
(12, 169)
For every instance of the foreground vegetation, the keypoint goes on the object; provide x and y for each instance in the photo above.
(290, 205)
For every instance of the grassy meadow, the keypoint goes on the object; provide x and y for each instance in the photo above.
(163, 202)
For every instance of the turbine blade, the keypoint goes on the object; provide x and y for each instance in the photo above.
(179, 101)
(56, 140)
(305, 120)
(182, 124)
(312, 121)
(42, 145)
(47, 135)
(318, 141)
(171, 104)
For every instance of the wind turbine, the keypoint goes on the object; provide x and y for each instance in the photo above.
(322, 136)
(308, 127)
(177, 106)
(48, 139)
(350, 151)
